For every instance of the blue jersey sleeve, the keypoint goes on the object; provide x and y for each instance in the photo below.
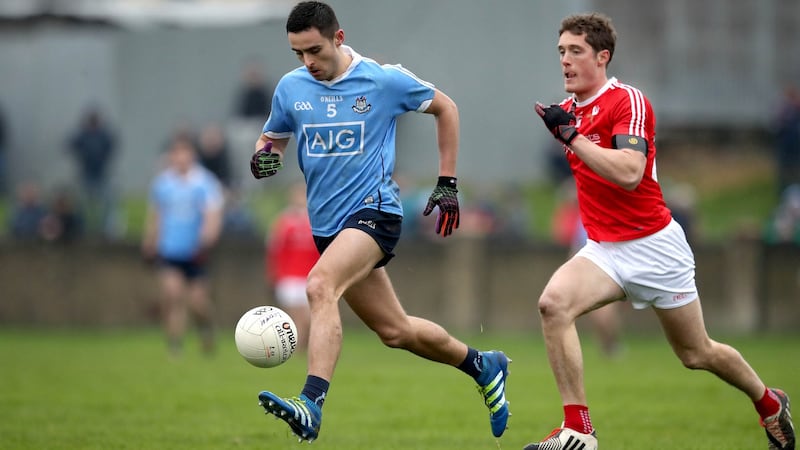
(414, 93)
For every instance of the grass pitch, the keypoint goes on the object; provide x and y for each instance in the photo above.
(118, 389)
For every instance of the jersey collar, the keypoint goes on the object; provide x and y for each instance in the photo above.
(602, 90)
(356, 60)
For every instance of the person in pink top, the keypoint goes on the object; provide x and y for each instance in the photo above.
(635, 250)
(290, 255)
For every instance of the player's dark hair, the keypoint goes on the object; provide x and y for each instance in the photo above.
(307, 15)
(599, 31)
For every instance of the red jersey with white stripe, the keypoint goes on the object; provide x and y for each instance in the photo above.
(290, 251)
(609, 212)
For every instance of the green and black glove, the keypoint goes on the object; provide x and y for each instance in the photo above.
(264, 163)
(445, 196)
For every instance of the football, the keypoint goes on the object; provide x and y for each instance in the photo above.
(266, 336)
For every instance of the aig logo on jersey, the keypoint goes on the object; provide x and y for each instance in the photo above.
(303, 106)
(334, 139)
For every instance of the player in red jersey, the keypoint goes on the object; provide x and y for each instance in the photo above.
(635, 250)
(290, 254)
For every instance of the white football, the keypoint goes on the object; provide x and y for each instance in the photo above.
(266, 336)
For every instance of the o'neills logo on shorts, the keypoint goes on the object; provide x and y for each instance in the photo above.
(369, 223)
(679, 297)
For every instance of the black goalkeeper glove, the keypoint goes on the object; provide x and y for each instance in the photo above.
(264, 163)
(558, 121)
(445, 196)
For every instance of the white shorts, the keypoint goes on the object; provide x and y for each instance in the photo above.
(291, 292)
(656, 270)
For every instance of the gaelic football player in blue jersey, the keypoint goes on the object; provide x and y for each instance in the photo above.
(342, 108)
(184, 221)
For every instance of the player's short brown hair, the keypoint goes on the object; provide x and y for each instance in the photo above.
(599, 31)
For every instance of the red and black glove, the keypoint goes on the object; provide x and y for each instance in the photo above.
(445, 196)
(561, 123)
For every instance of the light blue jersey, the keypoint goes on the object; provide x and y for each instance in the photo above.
(345, 132)
(181, 202)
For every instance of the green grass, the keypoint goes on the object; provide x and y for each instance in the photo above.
(117, 389)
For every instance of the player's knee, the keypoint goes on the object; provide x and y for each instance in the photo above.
(392, 337)
(318, 288)
(692, 360)
(552, 305)
(695, 358)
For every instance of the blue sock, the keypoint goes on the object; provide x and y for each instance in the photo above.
(472, 364)
(315, 389)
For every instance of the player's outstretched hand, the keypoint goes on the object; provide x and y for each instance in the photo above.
(558, 121)
(264, 163)
(445, 196)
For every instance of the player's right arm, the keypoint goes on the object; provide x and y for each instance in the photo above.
(278, 145)
(268, 157)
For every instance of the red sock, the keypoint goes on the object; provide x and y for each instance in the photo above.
(769, 405)
(576, 417)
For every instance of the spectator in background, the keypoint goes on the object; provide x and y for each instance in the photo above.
(3, 152)
(559, 167)
(214, 154)
(27, 212)
(93, 146)
(787, 139)
(254, 98)
(682, 202)
(784, 226)
(290, 255)
(515, 214)
(184, 221)
(63, 222)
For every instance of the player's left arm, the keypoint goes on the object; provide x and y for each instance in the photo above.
(447, 131)
(212, 227)
(213, 217)
(149, 245)
(623, 164)
(445, 194)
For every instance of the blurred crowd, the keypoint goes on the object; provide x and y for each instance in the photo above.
(784, 224)
(89, 207)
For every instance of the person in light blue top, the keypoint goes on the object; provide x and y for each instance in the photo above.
(184, 221)
(342, 110)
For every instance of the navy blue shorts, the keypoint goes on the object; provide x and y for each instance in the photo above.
(191, 270)
(384, 228)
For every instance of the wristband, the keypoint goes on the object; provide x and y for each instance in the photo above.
(447, 181)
